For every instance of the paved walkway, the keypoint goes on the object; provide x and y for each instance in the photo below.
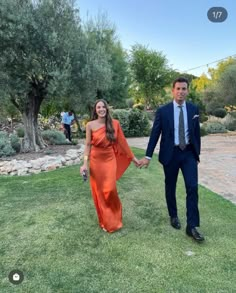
(217, 170)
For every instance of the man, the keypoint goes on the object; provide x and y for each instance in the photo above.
(178, 124)
(67, 119)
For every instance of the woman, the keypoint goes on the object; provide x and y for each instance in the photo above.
(109, 156)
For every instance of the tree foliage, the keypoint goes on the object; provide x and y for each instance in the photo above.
(114, 81)
(118, 92)
(201, 83)
(215, 73)
(150, 71)
(91, 68)
(222, 88)
(196, 98)
(48, 58)
(226, 85)
(37, 39)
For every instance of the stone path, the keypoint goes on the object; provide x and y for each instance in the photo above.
(217, 169)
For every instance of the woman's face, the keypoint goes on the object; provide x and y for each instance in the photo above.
(101, 110)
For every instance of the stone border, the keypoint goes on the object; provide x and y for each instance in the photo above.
(47, 163)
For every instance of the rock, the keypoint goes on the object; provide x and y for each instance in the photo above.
(47, 163)
(34, 171)
(22, 172)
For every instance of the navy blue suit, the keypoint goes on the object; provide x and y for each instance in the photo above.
(173, 158)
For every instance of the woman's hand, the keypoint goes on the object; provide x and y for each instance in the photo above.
(83, 168)
(136, 162)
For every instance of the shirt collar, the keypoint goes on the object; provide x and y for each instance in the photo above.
(176, 104)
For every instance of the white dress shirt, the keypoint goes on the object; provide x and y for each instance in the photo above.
(176, 122)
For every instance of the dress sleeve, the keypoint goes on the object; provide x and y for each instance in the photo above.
(123, 153)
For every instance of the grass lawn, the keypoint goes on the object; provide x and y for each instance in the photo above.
(49, 230)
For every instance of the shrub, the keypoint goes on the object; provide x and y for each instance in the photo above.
(82, 135)
(214, 127)
(130, 102)
(46, 127)
(151, 115)
(231, 125)
(219, 112)
(203, 131)
(233, 114)
(138, 123)
(139, 106)
(54, 137)
(15, 143)
(229, 122)
(212, 106)
(5, 145)
(74, 141)
(82, 124)
(203, 118)
(20, 132)
(133, 122)
(123, 117)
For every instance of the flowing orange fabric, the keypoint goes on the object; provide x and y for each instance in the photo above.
(108, 161)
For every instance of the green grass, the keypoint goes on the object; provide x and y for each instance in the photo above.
(49, 230)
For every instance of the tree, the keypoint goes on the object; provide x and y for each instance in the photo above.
(189, 77)
(222, 89)
(118, 92)
(211, 100)
(201, 83)
(226, 85)
(9, 111)
(92, 69)
(215, 73)
(91, 72)
(150, 71)
(196, 98)
(37, 42)
(109, 63)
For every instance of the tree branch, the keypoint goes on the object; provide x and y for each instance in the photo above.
(13, 100)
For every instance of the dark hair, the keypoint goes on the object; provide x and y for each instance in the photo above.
(180, 79)
(110, 132)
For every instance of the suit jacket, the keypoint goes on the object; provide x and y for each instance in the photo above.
(164, 126)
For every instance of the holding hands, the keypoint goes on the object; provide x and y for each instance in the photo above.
(144, 162)
(136, 162)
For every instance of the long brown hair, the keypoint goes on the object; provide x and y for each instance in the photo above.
(110, 132)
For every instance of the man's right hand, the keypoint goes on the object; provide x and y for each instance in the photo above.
(144, 162)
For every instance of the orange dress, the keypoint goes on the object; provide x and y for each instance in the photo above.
(108, 161)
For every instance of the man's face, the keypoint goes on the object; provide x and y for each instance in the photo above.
(180, 92)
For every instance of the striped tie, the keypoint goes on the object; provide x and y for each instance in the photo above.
(182, 143)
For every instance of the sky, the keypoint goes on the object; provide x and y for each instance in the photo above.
(180, 29)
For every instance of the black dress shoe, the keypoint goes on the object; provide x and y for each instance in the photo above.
(193, 232)
(175, 223)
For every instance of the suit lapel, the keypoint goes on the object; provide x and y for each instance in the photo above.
(190, 115)
(171, 117)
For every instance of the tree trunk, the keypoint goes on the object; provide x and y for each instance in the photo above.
(33, 140)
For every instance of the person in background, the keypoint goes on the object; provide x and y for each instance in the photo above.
(67, 120)
(109, 156)
(178, 124)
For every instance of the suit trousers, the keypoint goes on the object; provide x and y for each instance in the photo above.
(185, 161)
